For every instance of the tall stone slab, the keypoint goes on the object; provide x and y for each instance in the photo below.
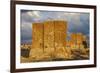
(49, 37)
(37, 39)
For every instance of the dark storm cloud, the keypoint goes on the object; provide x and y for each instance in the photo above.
(77, 22)
(83, 25)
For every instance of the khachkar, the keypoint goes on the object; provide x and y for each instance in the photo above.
(49, 39)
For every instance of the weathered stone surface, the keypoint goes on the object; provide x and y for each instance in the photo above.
(37, 39)
(49, 43)
(60, 34)
(49, 36)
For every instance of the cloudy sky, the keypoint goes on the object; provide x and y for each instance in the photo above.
(77, 22)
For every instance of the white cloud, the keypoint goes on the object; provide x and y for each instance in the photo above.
(72, 14)
(70, 17)
(35, 14)
(26, 26)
